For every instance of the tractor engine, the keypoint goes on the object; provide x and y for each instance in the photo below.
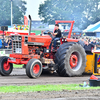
(29, 47)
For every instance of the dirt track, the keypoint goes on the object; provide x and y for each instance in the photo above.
(18, 77)
(62, 95)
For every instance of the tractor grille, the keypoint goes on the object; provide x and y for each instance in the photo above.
(17, 47)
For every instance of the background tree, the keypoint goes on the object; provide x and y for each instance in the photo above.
(19, 10)
(84, 12)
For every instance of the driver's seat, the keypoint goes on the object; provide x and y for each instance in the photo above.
(58, 42)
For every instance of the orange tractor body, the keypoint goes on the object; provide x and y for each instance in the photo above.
(69, 59)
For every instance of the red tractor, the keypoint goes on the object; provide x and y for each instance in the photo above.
(33, 51)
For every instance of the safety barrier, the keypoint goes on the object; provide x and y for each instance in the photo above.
(5, 52)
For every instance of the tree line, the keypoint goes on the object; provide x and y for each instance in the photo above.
(18, 9)
(83, 12)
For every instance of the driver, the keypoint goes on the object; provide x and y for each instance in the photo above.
(57, 36)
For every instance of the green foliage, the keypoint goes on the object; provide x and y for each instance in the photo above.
(84, 12)
(35, 88)
(41, 27)
(19, 10)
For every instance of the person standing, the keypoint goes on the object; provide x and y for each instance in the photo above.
(9, 42)
(93, 42)
(89, 47)
(81, 42)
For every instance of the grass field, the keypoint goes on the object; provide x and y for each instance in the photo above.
(17, 66)
(37, 32)
(35, 88)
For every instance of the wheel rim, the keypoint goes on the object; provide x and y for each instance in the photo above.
(75, 60)
(36, 69)
(6, 68)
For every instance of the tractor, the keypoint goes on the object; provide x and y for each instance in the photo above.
(69, 59)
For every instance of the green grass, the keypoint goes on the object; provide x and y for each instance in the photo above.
(37, 32)
(35, 88)
(17, 66)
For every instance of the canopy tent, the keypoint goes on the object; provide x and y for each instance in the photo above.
(94, 28)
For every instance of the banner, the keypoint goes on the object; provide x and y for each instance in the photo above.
(2, 53)
(21, 27)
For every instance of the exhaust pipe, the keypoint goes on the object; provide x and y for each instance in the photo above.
(30, 19)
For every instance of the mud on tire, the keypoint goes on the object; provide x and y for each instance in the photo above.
(70, 59)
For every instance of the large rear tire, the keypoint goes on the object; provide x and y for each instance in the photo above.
(70, 59)
(34, 68)
(4, 69)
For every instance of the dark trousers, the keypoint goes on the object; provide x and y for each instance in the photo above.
(55, 42)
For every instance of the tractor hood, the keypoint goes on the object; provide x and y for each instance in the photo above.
(39, 40)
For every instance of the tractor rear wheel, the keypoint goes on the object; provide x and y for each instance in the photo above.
(34, 68)
(5, 69)
(70, 59)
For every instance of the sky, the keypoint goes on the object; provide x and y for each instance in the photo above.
(32, 8)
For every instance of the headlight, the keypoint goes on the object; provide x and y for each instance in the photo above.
(19, 38)
(62, 39)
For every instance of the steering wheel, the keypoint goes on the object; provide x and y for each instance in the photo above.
(49, 33)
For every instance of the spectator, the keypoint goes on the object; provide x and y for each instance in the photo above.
(0, 42)
(73, 37)
(77, 37)
(42, 33)
(81, 42)
(89, 40)
(93, 42)
(6, 43)
(9, 42)
(97, 40)
(98, 45)
(2, 38)
(89, 48)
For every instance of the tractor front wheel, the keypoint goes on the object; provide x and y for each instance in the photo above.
(34, 68)
(5, 69)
